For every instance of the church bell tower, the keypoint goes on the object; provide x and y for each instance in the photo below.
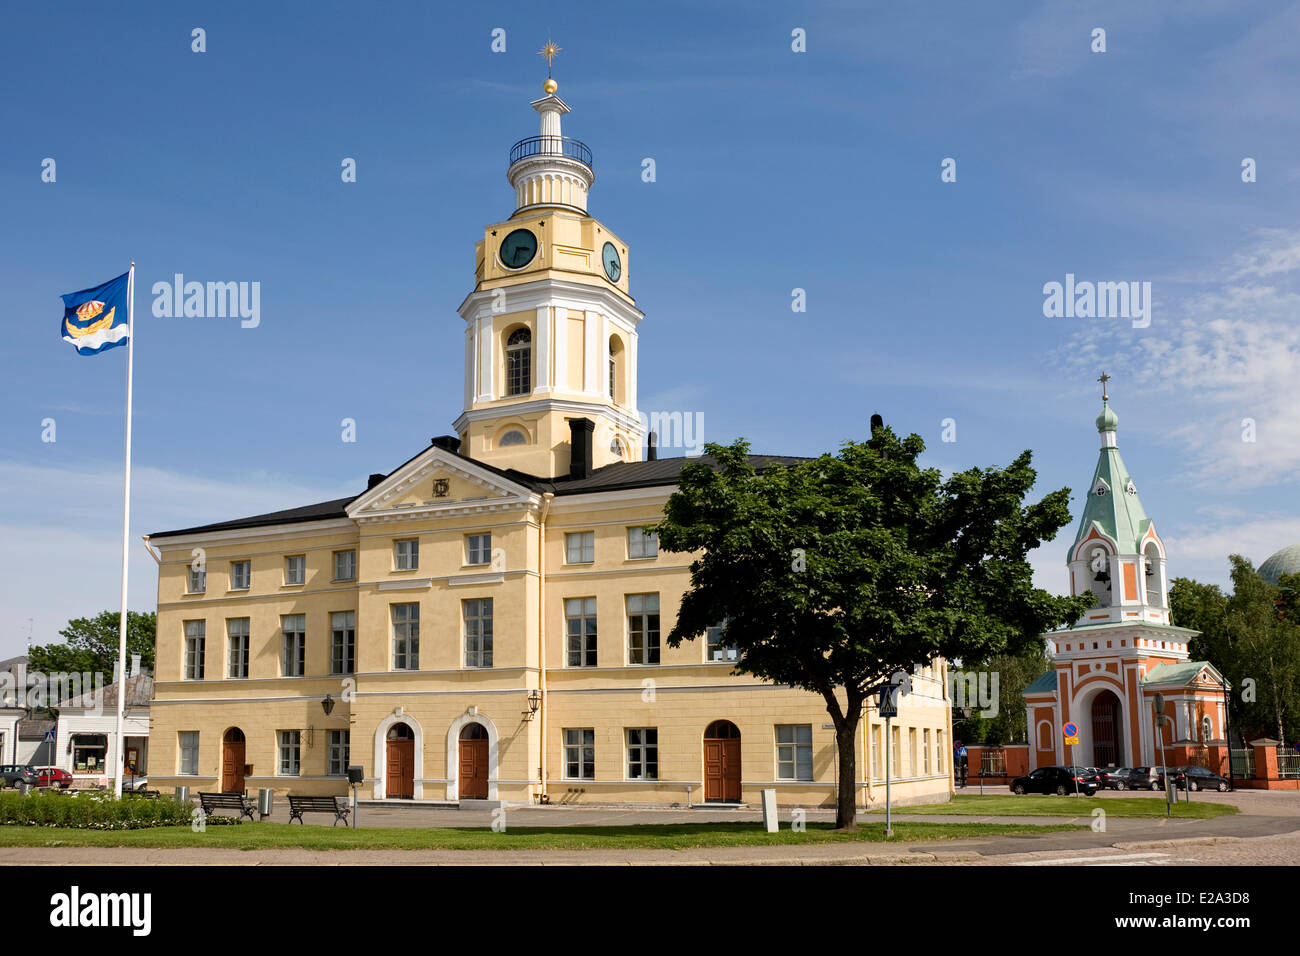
(550, 328)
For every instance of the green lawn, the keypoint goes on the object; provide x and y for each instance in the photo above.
(1037, 805)
(262, 836)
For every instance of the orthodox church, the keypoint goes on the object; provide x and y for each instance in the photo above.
(485, 621)
(1110, 665)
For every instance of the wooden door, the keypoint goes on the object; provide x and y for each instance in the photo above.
(722, 762)
(713, 774)
(401, 769)
(232, 765)
(473, 769)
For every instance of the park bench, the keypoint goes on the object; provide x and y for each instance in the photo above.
(335, 805)
(228, 801)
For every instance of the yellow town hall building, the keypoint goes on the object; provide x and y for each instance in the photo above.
(486, 620)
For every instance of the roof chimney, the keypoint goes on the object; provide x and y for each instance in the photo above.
(580, 430)
(876, 422)
(374, 480)
(652, 447)
(447, 443)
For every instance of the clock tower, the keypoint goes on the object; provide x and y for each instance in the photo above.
(550, 328)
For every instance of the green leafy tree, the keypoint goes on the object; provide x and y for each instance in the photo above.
(834, 574)
(90, 644)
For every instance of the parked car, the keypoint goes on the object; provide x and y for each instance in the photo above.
(1058, 780)
(1153, 778)
(1090, 774)
(1199, 778)
(53, 777)
(1119, 778)
(15, 773)
(1103, 777)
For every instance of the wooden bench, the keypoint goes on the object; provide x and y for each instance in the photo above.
(335, 805)
(228, 801)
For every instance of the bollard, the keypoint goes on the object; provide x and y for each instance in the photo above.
(183, 794)
(771, 822)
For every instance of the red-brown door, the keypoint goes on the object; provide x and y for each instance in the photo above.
(722, 762)
(401, 769)
(473, 769)
(232, 761)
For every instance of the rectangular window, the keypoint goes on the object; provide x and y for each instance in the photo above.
(895, 746)
(913, 767)
(406, 637)
(580, 754)
(237, 632)
(241, 575)
(290, 752)
(794, 752)
(938, 750)
(295, 569)
(406, 554)
(478, 632)
(876, 758)
(189, 752)
(478, 548)
(642, 545)
(340, 742)
(643, 753)
(343, 642)
(197, 580)
(294, 627)
(345, 565)
(925, 743)
(194, 649)
(643, 628)
(580, 547)
(580, 626)
(716, 647)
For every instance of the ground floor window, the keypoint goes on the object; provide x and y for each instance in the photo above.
(89, 752)
(290, 751)
(925, 742)
(189, 740)
(794, 752)
(339, 745)
(580, 753)
(938, 749)
(875, 752)
(643, 753)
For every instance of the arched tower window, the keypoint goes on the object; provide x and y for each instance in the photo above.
(1151, 562)
(1099, 569)
(519, 362)
(615, 361)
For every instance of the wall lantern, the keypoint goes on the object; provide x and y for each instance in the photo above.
(327, 705)
(534, 702)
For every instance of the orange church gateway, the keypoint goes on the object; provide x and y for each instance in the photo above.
(1109, 667)
(485, 621)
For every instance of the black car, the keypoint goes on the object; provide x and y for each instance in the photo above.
(15, 773)
(1120, 778)
(1059, 780)
(1199, 778)
(1103, 776)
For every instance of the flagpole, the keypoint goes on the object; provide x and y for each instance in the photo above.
(120, 756)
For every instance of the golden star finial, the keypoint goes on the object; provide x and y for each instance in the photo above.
(549, 52)
(1104, 379)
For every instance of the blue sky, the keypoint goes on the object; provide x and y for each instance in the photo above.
(775, 170)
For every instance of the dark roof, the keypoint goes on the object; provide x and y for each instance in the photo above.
(35, 729)
(616, 477)
(1046, 683)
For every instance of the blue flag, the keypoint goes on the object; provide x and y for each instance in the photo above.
(95, 320)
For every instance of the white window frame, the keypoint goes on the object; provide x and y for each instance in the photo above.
(352, 562)
(715, 650)
(188, 751)
(638, 622)
(580, 750)
(238, 638)
(195, 649)
(293, 645)
(290, 753)
(794, 752)
(196, 580)
(580, 622)
(476, 617)
(579, 547)
(406, 554)
(294, 562)
(338, 751)
(642, 753)
(640, 545)
(478, 549)
(247, 567)
(406, 636)
(343, 633)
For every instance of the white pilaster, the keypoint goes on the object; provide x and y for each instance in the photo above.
(470, 377)
(591, 353)
(631, 372)
(543, 357)
(602, 371)
(561, 348)
(485, 358)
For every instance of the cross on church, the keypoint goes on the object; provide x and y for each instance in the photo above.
(1104, 379)
(549, 52)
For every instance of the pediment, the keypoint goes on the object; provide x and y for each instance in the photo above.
(438, 481)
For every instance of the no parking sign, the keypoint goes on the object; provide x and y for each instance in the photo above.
(1071, 730)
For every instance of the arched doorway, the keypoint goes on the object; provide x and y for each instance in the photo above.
(400, 747)
(473, 784)
(722, 762)
(232, 761)
(1107, 730)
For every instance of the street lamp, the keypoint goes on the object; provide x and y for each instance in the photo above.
(327, 705)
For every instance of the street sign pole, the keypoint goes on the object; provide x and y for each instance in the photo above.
(889, 822)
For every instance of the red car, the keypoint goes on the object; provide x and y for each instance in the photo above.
(52, 777)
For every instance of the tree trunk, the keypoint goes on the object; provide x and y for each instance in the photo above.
(846, 728)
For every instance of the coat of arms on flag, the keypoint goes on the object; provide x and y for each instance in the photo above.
(95, 320)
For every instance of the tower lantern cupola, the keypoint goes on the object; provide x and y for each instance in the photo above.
(550, 169)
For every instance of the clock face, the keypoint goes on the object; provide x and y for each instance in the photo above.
(613, 267)
(518, 249)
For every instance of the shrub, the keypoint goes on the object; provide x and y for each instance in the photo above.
(91, 810)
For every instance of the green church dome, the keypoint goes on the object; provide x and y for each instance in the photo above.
(1107, 421)
(1286, 561)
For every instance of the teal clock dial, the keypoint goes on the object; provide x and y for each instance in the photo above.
(613, 265)
(518, 249)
